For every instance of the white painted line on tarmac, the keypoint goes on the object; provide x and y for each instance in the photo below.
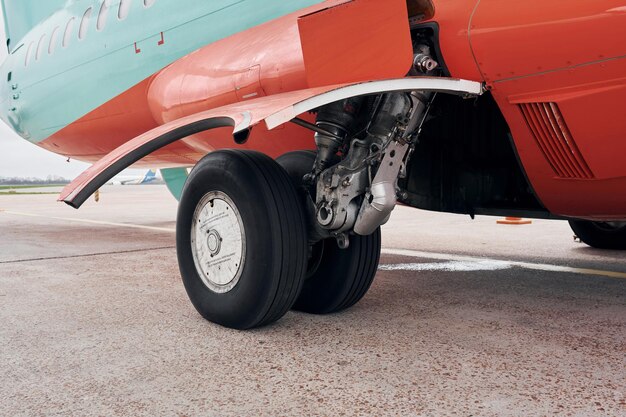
(453, 262)
(451, 266)
(98, 222)
(525, 265)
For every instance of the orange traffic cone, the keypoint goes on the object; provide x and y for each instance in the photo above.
(514, 221)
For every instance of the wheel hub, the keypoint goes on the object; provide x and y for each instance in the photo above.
(218, 242)
(214, 242)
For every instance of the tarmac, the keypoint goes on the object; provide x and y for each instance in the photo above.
(465, 318)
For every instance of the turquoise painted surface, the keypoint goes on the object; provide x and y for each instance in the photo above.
(20, 16)
(55, 89)
(175, 179)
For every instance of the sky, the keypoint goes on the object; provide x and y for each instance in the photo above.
(20, 158)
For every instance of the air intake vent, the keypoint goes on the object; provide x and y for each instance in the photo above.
(555, 140)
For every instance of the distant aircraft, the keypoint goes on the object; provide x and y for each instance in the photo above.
(491, 107)
(149, 178)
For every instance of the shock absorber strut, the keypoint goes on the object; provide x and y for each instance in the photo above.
(375, 134)
(339, 120)
(409, 111)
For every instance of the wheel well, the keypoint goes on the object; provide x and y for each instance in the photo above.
(466, 162)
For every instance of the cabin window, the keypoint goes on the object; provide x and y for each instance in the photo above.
(84, 24)
(148, 3)
(68, 32)
(53, 40)
(102, 16)
(40, 47)
(28, 51)
(124, 9)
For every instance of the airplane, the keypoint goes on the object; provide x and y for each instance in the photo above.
(307, 121)
(149, 178)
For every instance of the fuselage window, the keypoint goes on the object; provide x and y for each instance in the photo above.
(102, 16)
(40, 47)
(148, 3)
(28, 51)
(84, 24)
(68, 32)
(124, 9)
(53, 40)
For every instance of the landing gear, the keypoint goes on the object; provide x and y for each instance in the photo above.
(241, 239)
(336, 278)
(601, 235)
(255, 239)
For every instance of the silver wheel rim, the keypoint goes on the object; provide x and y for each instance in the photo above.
(218, 242)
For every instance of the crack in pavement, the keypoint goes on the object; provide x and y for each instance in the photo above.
(86, 255)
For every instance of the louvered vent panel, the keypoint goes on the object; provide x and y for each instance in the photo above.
(555, 140)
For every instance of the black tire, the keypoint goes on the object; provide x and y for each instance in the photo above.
(600, 235)
(273, 267)
(336, 278)
(297, 164)
(342, 277)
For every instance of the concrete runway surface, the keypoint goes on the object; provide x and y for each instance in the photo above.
(465, 318)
